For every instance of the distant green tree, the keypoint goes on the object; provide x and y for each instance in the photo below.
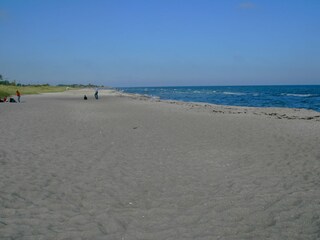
(5, 82)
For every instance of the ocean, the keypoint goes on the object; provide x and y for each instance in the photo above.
(302, 96)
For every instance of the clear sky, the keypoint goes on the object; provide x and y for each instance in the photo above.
(160, 42)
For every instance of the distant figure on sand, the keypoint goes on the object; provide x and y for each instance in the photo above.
(18, 95)
(3, 100)
(96, 94)
(85, 97)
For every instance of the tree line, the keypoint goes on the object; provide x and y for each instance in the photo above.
(14, 83)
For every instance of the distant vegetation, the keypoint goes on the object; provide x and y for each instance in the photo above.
(9, 88)
(80, 85)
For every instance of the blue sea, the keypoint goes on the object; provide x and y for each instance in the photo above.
(307, 96)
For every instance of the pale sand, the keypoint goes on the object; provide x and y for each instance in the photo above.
(128, 167)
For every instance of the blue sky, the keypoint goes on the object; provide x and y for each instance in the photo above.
(160, 42)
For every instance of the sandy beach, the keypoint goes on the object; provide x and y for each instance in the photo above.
(128, 167)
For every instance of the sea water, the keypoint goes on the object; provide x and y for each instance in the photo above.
(306, 96)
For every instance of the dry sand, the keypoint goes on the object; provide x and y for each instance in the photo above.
(128, 167)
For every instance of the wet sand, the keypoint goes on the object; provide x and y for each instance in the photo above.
(129, 167)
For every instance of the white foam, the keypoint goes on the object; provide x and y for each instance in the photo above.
(297, 95)
(234, 93)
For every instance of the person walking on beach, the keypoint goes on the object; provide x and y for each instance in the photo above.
(18, 95)
(96, 94)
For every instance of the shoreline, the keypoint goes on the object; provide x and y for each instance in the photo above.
(276, 112)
